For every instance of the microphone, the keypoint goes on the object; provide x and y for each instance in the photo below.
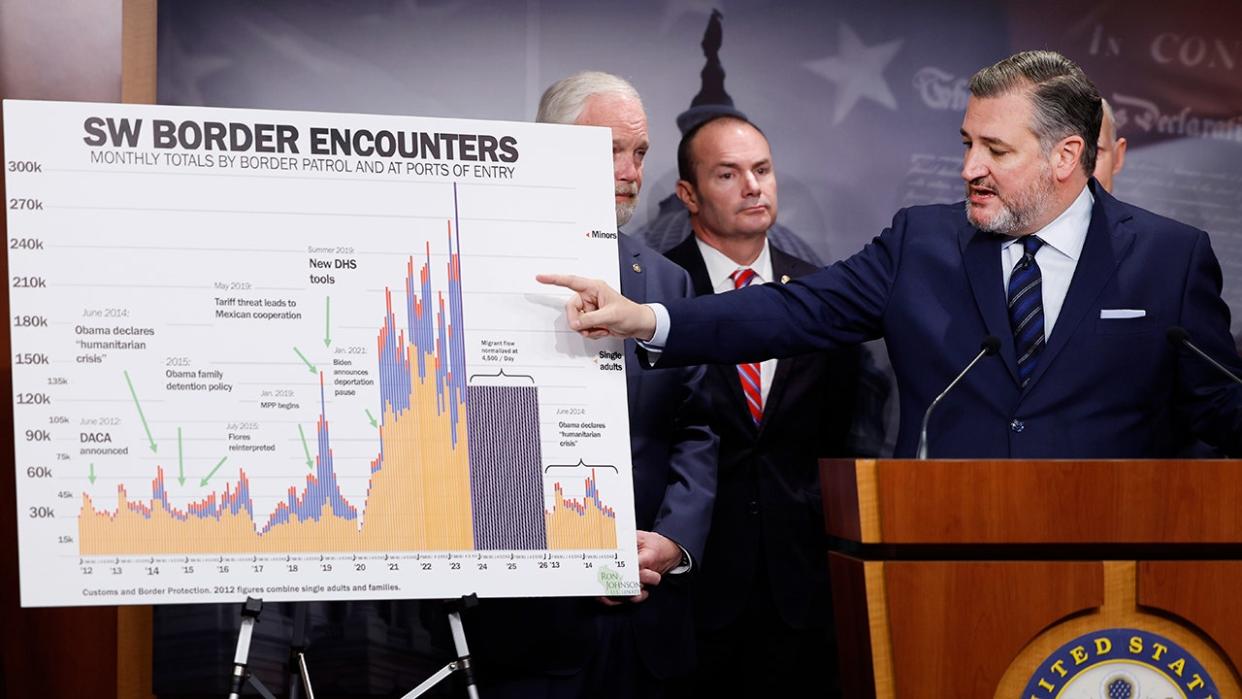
(1178, 337)
(989, 347)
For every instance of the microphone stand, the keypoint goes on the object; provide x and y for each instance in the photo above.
(1178, 337)
(989, 347)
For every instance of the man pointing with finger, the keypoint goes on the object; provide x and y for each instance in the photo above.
(1079, 288)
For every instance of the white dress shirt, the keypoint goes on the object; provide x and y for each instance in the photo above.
(720, 271)
(1057, 258)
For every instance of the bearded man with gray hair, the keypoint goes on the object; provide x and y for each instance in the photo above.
(611, 647)
(593, 98)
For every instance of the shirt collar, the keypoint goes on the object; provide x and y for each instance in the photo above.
(720, 267)
(1068, 232)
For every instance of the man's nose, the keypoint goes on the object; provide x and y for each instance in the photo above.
(973, 166)
(750, 184)
(624, 169)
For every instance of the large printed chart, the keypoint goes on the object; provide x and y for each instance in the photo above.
(303, 356)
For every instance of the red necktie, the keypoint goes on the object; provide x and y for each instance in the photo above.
(749, 374)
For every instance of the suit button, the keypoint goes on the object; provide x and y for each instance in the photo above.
(752, 507)
(1017, 425)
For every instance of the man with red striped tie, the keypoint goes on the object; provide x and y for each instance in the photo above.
(762, 603)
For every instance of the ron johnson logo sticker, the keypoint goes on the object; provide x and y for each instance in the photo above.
(1120, 664)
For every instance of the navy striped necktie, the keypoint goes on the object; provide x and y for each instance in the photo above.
(1026, 309)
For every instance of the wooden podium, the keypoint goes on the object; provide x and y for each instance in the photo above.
(959, 579)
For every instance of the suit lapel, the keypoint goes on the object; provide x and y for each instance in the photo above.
(633, 281)
(981, 254)
(633, 287)
(782, 269)
(1105, 246)
(688, 256)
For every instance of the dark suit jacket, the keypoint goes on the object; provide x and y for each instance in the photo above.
(769, 514)
(674, 470)
(931, 286)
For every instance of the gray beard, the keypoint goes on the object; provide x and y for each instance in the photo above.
(1007, 222)
(625, 212)
(1012, 219)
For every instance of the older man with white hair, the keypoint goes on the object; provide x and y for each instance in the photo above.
(621, 647)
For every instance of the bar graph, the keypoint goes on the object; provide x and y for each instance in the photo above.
(308, 385)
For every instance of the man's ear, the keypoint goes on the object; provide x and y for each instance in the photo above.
(1119, 156)
(687, 195)
(1067, 157)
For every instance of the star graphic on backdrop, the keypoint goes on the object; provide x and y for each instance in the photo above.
(857, 71)
(676, 9)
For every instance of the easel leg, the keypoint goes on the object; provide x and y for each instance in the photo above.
(299, 677)
(250, 611)
(463, 663)
(463, 652)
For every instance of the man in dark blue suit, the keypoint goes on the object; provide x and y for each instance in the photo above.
(607, 647)
(1078, 287)
(762, 598)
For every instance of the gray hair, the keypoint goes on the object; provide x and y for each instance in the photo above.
(563, 102)
(1065, 101)
(1110, 117)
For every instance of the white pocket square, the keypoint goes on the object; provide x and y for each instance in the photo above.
(1121, 313)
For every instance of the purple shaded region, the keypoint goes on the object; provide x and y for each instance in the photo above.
(506, 489)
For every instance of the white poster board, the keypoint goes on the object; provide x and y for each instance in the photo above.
(302, 356)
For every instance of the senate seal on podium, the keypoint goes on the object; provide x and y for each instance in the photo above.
(1120, 663)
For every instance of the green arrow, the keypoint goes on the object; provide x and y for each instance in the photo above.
(180, 460)
(372, 419)
(92, 477)
(144, 417)
(310, 463)
(306, 361)
(327, 321)
(213, 471)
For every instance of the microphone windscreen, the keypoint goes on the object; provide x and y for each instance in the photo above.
(991, 345)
